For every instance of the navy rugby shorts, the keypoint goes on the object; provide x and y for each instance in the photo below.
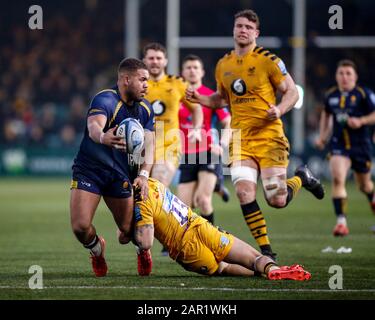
(102, 182)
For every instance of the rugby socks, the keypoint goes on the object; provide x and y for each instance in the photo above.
(293, 186)
(370, 196)
(209, 217)
(257, 224)
(94, 246)
(340, 205)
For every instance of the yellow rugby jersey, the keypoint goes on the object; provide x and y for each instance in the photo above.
(169, 215)
(249, 84)
(165, 97)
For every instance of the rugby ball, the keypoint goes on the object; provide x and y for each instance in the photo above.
(132, 131)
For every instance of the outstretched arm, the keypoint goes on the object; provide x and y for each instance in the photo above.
(214, 101)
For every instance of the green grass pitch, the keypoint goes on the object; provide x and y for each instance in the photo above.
(35, 230)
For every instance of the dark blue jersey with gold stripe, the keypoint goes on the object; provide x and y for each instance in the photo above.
(97, 156)
(341, 105)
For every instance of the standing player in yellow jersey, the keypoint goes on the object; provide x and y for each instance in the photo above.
(195, 243)
(165, 93)
(247, 80)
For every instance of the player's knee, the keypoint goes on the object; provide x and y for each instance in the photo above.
(275, 189)
(338, 181)
(277, 202)
(366, 187)
(80, 227)
(245, 192)
(204, 203)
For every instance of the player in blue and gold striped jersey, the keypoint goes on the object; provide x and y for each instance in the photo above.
(351, 110)
(102, 167)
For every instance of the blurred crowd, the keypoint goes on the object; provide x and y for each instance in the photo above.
(48, 77)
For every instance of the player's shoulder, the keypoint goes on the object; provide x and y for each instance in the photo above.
(107, 93)
(145, 105)
(175, 79)
(331, 91)
(227, 58)
(265, 54)
(364, 91)
(105, 97)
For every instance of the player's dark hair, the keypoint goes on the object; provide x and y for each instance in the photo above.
(249, 15)
(192, 57)
(347, 63)
(154, 46)
(131, 65)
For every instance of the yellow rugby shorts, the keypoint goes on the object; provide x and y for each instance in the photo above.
(205, 246)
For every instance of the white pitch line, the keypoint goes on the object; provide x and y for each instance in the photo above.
(199, 289)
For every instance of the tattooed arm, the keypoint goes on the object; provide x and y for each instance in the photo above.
(144, 236)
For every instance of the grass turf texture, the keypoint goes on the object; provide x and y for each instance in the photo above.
(35, 230)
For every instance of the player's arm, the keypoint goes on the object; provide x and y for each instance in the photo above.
(289, 98)
(325, 129)
(226, 133)
(213, 101)
(144, 236)
(144, 173)
(358, 122)
(96, 124)
(367, 120)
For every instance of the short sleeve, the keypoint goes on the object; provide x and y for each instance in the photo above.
(327, 107)
(276, 71)
(101, 104)
(219, 83)
(142, 214)
(370, 100)
(149, 123)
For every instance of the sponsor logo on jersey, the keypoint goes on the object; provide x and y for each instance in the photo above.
(372, 97)
(251, 71)
(158, 107)
(167, 202)
(238, 87)
(137, 213)
(224, 241)
(334, 101)
(282, 67)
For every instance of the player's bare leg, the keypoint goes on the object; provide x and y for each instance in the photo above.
(244, 177)
(185, 192)
(366, 186)
(203, 194)
(122, 211)
(339, 167)
(275, 186)
(164, 172)
(83, 205)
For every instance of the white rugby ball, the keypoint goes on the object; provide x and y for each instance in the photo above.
(132, 131)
